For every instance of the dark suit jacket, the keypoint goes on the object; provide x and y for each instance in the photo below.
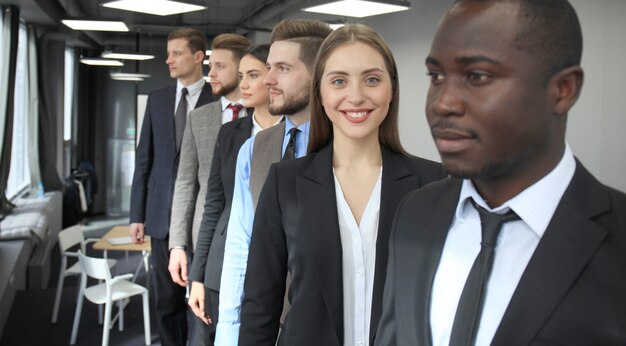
(209, 255)
(296, 228)
(156, 161)
(573, 291)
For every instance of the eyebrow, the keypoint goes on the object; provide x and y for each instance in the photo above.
(464, 60)
(369, 70)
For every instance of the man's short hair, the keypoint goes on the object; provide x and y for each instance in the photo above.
(195, 38)
(232, 42)
(309, 34)
(548, 29)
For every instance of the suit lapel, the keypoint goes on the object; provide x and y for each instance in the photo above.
(397, 180)
(205, 96)
(431, 230)
(315, 190)
(566, 247)
(243, 130)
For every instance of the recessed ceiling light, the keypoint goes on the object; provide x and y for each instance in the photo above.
(335, 26)
(134, 77)
(127, 56)
(101, 62)
(359, 8)
(208, 52)
(95, 25)
(156, 7)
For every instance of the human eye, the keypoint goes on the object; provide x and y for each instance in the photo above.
(478, 78)
(434, 76)
(338, 82)
(254, 76)
(283, 68)
(372, 80)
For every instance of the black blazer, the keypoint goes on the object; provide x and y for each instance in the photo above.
(573, 291)
(296, 228)
(156, 161)
(209, 254)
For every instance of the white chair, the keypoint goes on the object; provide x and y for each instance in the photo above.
(116, 289)
(68, 238)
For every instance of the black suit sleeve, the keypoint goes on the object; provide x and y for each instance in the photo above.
(213, 208)
(264, 286)
(143, 167)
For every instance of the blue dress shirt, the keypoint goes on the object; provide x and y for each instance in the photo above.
(239, 235)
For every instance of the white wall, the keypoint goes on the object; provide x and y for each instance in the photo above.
(597, 124)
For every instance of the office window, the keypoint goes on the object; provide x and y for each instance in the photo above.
(68, 94)
(19, 174)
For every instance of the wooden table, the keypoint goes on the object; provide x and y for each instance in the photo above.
(121, 231)
(124, 231)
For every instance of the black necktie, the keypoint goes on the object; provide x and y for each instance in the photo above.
(290, 151)
(469, 310)
(236, 108)
(181, 117)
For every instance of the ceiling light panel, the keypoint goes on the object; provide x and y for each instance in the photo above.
(101, 62)
(95, 25)
(156, 7)
(127, 56)
(358, 8)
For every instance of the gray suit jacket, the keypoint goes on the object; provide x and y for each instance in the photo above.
(208, 256)
(196, 153)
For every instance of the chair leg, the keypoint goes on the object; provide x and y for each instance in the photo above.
(120, 307)
(79, 307)
(57, 298)
(106, 329)
(146, 316)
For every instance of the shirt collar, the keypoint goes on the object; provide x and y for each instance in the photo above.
(536, 204)
(192, 88)
(226, 102)
(304, 127)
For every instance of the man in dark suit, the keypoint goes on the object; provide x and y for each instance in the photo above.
(156, 167)
(504, 75)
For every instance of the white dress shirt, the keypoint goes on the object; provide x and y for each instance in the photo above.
(358, 244)
(514, 248)
(193, 94)
(227, 113)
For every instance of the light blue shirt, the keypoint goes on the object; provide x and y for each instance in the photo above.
(239, 235)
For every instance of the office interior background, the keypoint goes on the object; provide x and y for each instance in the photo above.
(94, 118)
(91, 117)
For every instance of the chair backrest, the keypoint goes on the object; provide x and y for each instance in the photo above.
(70, 236)
(97, 268)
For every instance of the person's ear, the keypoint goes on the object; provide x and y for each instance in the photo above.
(565, 87)
(198, 57)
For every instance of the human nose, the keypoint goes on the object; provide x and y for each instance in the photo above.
(169, 59)
(445, 100)
(212, 72)
(243, 84)
(270, 78)
(355, 94)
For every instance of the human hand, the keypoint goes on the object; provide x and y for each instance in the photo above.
(196, 301)
(178, 266)
(137, 232)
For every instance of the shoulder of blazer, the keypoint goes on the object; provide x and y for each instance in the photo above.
(210, 108)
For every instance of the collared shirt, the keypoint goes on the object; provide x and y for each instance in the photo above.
(256, 127)
(515, 246)
(227, 113)
(239, 235)
(193, 94)
(358, 259)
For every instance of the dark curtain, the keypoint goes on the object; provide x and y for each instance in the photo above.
(12, 17)
(47, 118)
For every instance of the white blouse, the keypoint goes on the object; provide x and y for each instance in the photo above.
(358, 244)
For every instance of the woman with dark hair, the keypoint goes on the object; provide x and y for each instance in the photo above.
(208, 257)
(325, 218)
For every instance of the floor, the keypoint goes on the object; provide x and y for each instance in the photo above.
(29, 320)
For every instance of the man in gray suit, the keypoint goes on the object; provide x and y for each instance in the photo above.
(197, 152)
